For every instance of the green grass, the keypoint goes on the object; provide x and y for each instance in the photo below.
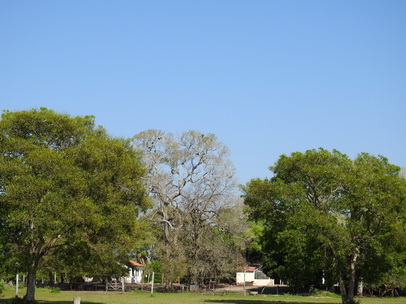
(48, 296)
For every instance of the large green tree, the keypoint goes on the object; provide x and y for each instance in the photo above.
(328, 217)
(64, 183)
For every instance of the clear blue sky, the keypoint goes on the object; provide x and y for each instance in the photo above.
(267, 77)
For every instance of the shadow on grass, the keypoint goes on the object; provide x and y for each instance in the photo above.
(13, 301)
(256, 301)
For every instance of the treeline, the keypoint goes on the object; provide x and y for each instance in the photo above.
(77, 201)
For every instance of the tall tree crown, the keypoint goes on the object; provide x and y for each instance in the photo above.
(325, 213)
(64, 184)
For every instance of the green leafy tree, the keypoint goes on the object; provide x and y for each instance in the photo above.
(327, 216)
(64, 183)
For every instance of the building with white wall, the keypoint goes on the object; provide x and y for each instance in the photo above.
(252, 277)
(135, 272)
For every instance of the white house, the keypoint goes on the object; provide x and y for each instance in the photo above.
(252, 277)
(135, 272)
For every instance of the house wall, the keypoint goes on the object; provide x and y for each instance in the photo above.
(264, 282)
(134, 275)
(250, 277)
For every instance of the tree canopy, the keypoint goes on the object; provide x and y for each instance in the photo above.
(65, 183)
(190, 179)
(327, 217)
(74, 198)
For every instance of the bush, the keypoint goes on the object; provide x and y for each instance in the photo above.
(323, 293)
(55, 290)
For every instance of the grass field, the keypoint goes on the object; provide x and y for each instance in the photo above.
(47, 296)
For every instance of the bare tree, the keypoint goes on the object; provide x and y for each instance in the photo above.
(190, 177)
(402, 172)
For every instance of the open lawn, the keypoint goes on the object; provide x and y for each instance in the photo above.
(47, 296)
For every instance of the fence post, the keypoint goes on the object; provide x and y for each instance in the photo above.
(76, 300)
(245, 270)
(17, 285)
(152, 282)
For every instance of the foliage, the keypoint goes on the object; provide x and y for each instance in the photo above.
(326, 216)
(154, 266)
(66, 186)
(323, 293)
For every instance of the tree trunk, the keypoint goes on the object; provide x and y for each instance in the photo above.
(343, 290)
(360, 290)
(51, 278)
(31, 278)
(351, 285)
(347, 292)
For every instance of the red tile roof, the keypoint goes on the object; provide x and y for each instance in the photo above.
(136, 264)
(246, 268)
